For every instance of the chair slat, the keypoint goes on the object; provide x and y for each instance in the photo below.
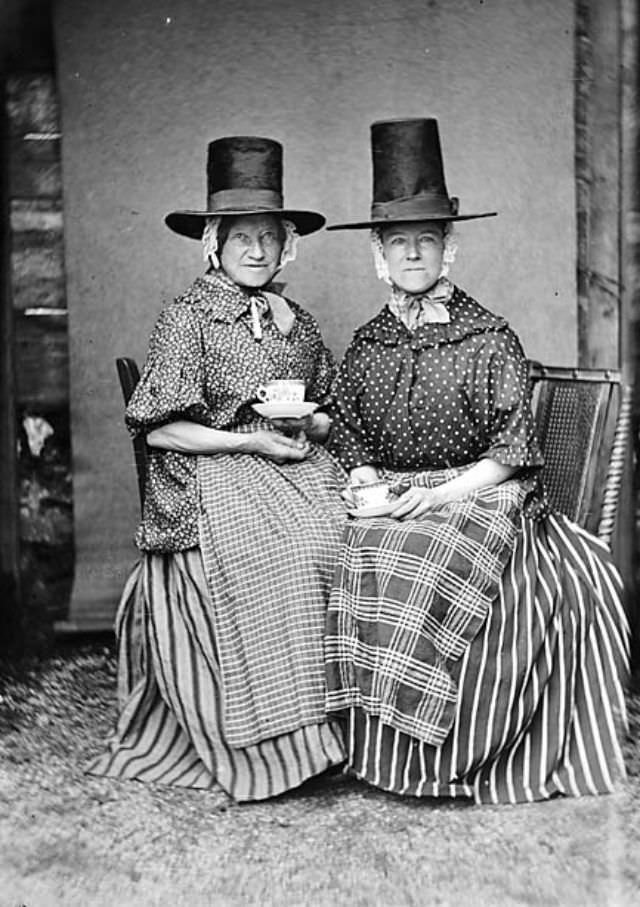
(129, 375)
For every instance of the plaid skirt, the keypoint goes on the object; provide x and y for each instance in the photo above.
(407, 600)
(269, 536)
(540, 707)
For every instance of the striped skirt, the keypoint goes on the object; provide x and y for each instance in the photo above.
(541, 705)
(170, 728)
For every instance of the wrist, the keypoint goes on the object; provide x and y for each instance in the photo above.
(242, 442)
(444, 494)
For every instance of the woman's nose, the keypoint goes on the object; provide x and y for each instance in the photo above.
(413, 249)
(257, 249)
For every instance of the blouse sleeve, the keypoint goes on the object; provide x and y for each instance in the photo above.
(347, 440)
(171, 386)
(503, 398)
(324, 364)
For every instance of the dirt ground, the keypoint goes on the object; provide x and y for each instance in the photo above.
(68, 839)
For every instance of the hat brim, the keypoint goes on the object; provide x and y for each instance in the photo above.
(417, 218)
(192, 223)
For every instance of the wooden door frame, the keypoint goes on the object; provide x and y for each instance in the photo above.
(608, 225)
(607, 205)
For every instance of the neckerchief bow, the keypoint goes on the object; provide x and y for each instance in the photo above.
(416, 309)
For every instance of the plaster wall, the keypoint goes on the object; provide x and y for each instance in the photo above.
(146, 85)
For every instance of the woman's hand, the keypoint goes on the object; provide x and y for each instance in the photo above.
(275, 446)
(415, 502)
(315, 427)
(292, 428)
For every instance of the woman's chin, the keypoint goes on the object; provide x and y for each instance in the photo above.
(255, 279)
(415, 287)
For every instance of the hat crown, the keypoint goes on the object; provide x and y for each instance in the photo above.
(244, 176)
(244, 162)
(408, 176)
(407, 159)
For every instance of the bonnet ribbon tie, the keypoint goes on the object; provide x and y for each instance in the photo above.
(416, 309)
(265, 303)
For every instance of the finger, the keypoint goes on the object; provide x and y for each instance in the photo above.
(406, 499)
(298, 450)
(406, 507)
(288, 442)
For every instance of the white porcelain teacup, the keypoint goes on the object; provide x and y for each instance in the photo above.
(371, 494)
(282, 390)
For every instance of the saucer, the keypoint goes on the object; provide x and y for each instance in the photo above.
(377, 510)
(285, 410)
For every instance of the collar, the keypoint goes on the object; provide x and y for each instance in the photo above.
(467, 317)
(416, 309)
(227, 300)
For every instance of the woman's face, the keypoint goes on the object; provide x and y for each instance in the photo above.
(251, 252)
(413, 252)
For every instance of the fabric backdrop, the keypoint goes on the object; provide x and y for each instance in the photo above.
(146, 84)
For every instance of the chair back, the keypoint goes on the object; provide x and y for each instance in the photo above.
(129, 375)
(583, 424)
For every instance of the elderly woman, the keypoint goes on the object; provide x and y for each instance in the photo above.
(476, 644)
(220, 626)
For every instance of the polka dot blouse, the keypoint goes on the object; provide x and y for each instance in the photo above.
(205, 365)
(443, 395)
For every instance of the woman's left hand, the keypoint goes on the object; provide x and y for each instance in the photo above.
(315, 427)
(292, 428)
(415, 503)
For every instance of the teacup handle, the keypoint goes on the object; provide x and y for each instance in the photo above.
(262, 393)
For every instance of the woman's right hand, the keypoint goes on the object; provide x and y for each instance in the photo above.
(275, 446)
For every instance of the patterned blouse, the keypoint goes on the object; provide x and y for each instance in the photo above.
(204, 365)
(443, 395)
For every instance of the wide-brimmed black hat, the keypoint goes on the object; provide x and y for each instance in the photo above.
(244, 176)
(408, 176)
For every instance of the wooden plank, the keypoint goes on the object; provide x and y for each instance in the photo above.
(10, 585)
(32, 104)
(35, 170)
(42, 361)
(597, 114)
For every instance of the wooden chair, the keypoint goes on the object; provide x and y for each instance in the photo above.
(129, 375)
(583, 421)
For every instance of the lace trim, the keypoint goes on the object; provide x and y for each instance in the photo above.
(210, 243)
(382, 270)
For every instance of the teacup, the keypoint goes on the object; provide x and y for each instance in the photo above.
(282, 390)
(372, 494)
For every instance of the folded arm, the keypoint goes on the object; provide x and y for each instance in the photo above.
(191, 438)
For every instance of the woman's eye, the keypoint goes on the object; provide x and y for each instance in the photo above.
(427, 240)
(269, 237)
(242, 238)
(397, 240)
